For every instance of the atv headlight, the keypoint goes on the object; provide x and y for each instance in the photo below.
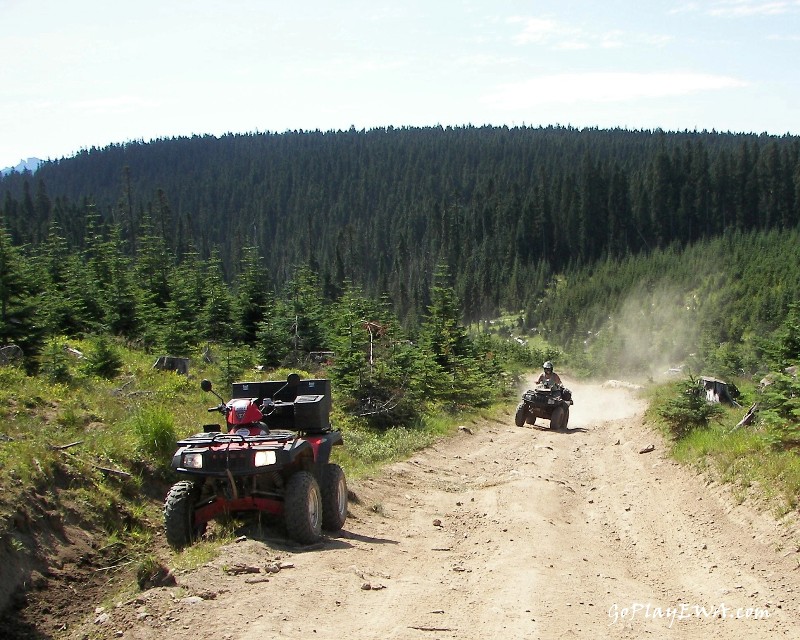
(193, 460)
(264, 458)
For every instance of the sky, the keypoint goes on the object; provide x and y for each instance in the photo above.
(88, 73)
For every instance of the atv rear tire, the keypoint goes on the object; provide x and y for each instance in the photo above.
(334, 497)
(179, 514)
(303, 508)
(521, 415)
(557, 418)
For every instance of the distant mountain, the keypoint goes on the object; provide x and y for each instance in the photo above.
(31, 164)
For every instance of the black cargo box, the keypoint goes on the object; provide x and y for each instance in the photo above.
(311, 414)
(311, 398)
(268, 389)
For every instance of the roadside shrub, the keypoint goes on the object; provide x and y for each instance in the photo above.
(779, 410)
(104, 360)
(234, 361)
(150, 572)
(687, 409)
(54, 362)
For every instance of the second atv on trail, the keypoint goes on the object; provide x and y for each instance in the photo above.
(550, 402)
(273, 456)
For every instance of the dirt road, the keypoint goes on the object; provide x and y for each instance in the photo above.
(506, 532)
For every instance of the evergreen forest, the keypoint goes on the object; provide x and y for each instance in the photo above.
(627, 249)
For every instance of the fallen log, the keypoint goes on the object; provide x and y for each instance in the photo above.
(748, 417)
(113, 472)
(64, 447)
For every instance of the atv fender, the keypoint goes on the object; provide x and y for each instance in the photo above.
(322, 446)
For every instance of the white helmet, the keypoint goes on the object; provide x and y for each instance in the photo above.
(547, 365)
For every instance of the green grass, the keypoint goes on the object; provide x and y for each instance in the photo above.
(751, 459)
(199, 553)
(367, 450)
(155, 432)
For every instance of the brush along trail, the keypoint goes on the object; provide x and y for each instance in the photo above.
(504, 532)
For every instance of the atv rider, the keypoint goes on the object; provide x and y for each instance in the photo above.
(549, 377)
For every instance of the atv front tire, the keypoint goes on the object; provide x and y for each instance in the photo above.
(565, 422)
(302, 508)
(179, 514)
(521, 415)
(557, 418)
(334, 497)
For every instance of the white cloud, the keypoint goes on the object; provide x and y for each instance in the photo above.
(537, 30)
(656, 40)
(605, 87)
(572, 45)
(686, 7)
(612, 40)
(485, 61)
(744, 8)
(560, 36)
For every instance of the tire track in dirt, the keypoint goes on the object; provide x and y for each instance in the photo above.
(507, 532)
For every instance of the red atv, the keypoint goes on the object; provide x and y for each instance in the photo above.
(274, 456)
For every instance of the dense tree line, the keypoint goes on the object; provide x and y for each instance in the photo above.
(504, 209)
(159, 304)
(252, 239)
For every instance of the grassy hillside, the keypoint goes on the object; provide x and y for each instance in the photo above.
(760, 460)
(722, 307)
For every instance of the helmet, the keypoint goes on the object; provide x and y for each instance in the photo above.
(547, 365)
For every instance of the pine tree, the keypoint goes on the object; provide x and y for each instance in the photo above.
(112, 283)
(18, 316)
(103, 360)
(217, 313)
(181, 329)
(60, 304)
(252, 294)
(785, 349)
(448, 354)
(305, 313)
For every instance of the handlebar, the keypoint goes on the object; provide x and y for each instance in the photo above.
(269, 406)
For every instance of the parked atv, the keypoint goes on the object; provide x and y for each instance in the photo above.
(273, 456)
(545, 401)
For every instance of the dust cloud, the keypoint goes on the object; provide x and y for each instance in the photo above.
(655, 329)
(597, 403)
